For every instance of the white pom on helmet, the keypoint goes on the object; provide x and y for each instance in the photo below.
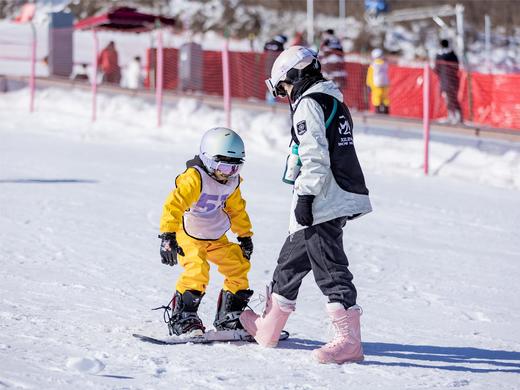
(376, 53)
(295, 57)
(222, 150)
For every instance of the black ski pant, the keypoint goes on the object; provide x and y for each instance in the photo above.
(318, 248)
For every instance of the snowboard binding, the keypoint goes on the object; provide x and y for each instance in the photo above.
(184, 319)
(229, 308)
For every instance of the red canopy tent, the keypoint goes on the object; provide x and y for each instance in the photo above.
(126, 19)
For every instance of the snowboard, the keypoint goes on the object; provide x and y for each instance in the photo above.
(211, 336)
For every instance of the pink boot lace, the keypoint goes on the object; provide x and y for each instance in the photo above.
(341, 332)
(346, 344)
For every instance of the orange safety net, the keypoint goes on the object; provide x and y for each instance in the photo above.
(170, 68)
(455, 94)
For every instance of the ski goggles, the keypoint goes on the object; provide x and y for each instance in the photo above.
(275, 90)
(228, 169)
(225, 168)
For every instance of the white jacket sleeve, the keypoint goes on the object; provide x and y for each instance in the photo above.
(309, 125)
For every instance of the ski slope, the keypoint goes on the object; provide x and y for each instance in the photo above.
(436, 264)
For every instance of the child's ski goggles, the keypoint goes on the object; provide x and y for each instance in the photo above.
(229, 168)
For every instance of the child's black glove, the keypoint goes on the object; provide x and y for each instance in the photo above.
(246, 244)
(303, 210)
(170, 248)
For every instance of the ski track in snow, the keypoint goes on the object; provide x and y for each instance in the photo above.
(436, 267)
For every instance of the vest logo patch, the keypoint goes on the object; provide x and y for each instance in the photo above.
(301, 127)
(344, 126)
(345, 131)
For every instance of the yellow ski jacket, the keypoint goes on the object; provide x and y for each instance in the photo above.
(188, 188)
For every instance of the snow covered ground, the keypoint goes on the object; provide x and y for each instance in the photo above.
(436, 264)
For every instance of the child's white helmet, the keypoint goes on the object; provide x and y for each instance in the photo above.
(295, 58)
(222, 150)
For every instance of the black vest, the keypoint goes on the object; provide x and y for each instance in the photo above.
(343, 159)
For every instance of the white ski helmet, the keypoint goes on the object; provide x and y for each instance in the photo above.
(294, 58)
(376, 53)
(221, 149)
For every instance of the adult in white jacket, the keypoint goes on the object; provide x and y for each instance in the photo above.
(329, 190)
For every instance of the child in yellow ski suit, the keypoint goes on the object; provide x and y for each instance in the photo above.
(204, 205)
(378, 82)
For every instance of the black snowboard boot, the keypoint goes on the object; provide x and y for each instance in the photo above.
(229, 308)
(184, 317)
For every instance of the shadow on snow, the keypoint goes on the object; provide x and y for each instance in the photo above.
(427, 356)
(503, 361)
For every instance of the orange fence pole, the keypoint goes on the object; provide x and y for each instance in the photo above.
(226, 82)
(159, 77)
(32, 79)
(94, 75)
(426, 116)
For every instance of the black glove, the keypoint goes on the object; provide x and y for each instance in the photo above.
(170, 248)
(246, 244)
(303, 210)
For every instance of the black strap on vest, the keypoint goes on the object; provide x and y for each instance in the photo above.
(329, 111)
(338, 128)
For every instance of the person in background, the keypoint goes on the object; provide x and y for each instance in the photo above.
(276, 44)
(82, 75)
(447, 68)
(331, 59)
(109, 65)
(378, 82)
(134, 76)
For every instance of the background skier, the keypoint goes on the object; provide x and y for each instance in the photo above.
(447, 68)
(204, 205)
(332, 60)
(329, 190)
(378, 82)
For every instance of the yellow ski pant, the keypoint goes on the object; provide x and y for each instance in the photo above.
(379, 95)
(226, 255)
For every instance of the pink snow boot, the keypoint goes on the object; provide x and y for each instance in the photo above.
(346, 345)
(266, 328)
